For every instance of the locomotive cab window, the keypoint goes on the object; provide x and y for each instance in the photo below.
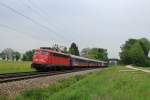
(44, 53)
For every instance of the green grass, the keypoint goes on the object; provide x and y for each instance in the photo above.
(108, 84)
(9, 66)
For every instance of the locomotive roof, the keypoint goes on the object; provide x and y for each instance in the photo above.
(48, 50)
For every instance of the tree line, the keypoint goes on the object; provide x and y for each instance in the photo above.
(133, 51)
(93, 53)
(10, 54)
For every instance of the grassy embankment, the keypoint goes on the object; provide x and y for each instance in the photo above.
(108, 84)
(9, 66)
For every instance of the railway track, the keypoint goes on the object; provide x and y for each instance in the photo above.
(9, 77)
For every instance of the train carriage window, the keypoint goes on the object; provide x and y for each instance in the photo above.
(75, 61)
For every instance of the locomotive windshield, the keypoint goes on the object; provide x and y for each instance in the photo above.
(41, 52)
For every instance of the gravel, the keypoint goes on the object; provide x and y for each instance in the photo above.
(13, 88)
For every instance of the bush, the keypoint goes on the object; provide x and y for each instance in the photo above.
(147, 63)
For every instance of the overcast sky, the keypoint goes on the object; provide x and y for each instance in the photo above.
(28, 24)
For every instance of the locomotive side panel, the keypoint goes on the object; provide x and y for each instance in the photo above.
(59, 59)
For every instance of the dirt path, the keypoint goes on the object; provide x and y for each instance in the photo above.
(138, 69)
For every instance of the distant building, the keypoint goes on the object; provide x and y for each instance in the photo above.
(113, 61)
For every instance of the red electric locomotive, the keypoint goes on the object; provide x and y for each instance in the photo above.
(46, 59)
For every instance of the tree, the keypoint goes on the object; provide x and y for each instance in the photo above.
(98, 53)
(145, 44)
(7, 54)
(16, 55)
(2, 55)
(135, 51)
(85, 52)
(65, 50)
(59, 48)
(124, 54)
(55, 47)
(74, 49)
(136, 54)
(27, 56)
(95, 53)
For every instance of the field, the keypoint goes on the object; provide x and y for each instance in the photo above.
(114, 83)
(9, 66)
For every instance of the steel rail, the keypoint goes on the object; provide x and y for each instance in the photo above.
(10, 77)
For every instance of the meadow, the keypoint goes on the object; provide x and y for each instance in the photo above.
(14, 66)
(113, 83)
